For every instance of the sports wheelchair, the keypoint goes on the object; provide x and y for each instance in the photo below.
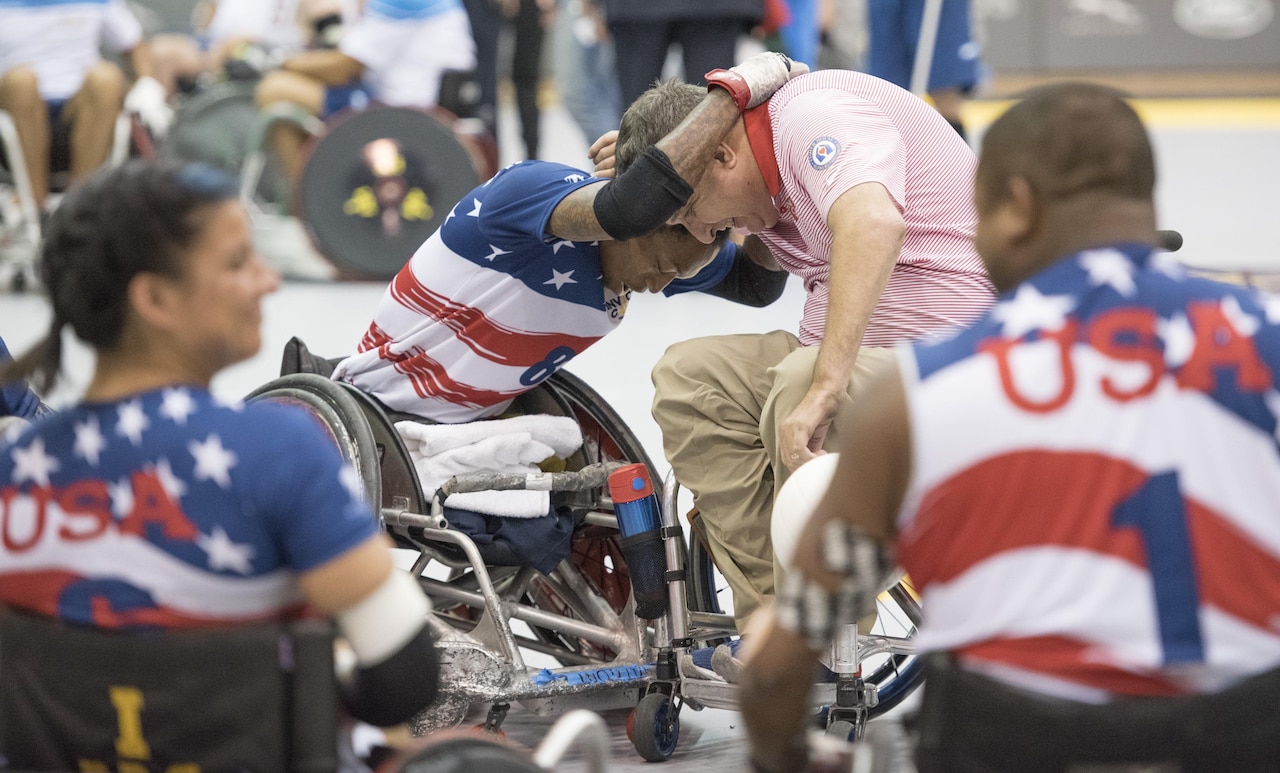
(582, 615)
(259, 697)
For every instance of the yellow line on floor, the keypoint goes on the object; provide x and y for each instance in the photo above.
(1226, 114)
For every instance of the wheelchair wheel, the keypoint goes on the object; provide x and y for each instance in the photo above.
(654, 727)
(597, 551)
(606, 437)
(895, 675)
(700, 589)
(212, 126)
(378, 183)
(338, 413)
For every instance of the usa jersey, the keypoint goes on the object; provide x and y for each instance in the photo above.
(171, 510)
(490, 306)
(1094, 508)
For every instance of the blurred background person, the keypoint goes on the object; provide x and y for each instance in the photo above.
(62, 96)
(257, 34)
(585, 67)
(894, 28)
(707, 32)
(528, 21)
(396, 52)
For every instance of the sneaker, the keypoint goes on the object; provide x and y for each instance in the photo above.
(690, 669)
(725, 662)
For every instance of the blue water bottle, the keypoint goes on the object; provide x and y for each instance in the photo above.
(640, 523)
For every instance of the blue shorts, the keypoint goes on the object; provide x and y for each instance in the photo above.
(895, 30)
(353, 95)
(59, 137)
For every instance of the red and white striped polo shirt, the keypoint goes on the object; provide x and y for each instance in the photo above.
(832, 130)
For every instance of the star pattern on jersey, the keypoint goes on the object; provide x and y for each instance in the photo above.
(33, 463)
(475, 212)
(1272, 399)
(561, 279)
(89, 440)
(556, 245)
(497, 252)
(575, 178)
(1029, 310)
(132, 421)
(230, 403)
(1271, 307)
(224, 553)
(172, 484)
(1168, 265)
(121, 493)
(1244, 323)
(350, 480)
(177, 405)
(1111, 268)
(1179, 339)
(213, 462)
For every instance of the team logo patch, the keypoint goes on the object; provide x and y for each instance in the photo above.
(822, 152)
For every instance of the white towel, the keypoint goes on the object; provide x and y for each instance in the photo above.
(440, 451)
(559, 432)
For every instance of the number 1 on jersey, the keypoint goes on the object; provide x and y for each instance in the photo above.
(1157, 511)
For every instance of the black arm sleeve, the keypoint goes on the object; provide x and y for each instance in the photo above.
(392, 691)
(643, 198)
(749, 283)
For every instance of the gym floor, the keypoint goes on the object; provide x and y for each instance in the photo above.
(1219, 184)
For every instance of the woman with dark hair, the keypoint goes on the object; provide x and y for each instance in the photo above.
(153, 504)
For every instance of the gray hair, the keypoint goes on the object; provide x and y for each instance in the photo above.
(654, 115)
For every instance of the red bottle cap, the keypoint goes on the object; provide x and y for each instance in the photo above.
(629, 483)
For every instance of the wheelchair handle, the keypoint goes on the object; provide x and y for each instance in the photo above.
(589, 477)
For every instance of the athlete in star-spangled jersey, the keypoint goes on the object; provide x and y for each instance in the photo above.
(493, 303)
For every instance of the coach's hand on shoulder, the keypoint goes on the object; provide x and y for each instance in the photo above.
(755, 80)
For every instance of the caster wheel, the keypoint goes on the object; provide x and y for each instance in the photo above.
(655, 727)
(819, 720)
(842, 729)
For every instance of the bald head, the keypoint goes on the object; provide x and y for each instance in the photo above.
(1068, 168)
(1067, 139)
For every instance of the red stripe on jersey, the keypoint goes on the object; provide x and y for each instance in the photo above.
(161, 617)
(486, 337)
(1233, 573)
(431, 379)
(373, 338)
(1070, 660)
(37, 591)
(1011, 499)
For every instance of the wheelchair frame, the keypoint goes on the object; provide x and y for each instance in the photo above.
(582, 615)
(19, 210)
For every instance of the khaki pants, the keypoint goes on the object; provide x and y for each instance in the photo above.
(719, 402)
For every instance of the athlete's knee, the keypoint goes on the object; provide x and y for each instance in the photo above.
(103, 87)
(278, 87)
(20, 89)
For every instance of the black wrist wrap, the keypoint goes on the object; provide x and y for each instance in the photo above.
(643, 198)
